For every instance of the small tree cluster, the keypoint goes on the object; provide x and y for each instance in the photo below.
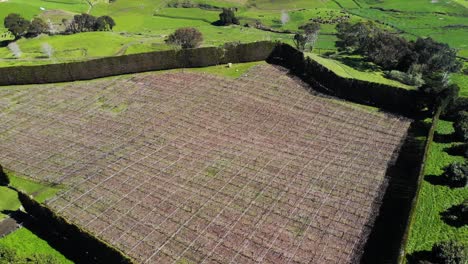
(20, 27)
(88, 23)
(456, 174)
(185, 38)
(438, 90)
(450, 252)
(393, 52)
(306, 41)
(228, 17)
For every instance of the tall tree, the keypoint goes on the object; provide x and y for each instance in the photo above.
(37, 27)
(186, 38)
(17, 25)
(228, 17)
(104, 23)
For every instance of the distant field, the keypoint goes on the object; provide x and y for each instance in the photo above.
(191, 167)
(143, 25)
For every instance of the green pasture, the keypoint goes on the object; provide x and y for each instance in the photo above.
(346, 71)
(9, 198)
(419, 6)
(428, 227)
(236, 71)
(26, 244)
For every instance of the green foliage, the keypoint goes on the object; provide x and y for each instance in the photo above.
(450, 252)
(7, 255)
(457, 215)
(438, 90)
(88, 23)
(435, 56)
(406, 78)
(104, 23)
(228, 17)
(300, 41)
(186, 38)
(456, 175)
(37, 27)
(393, 52)
(27, 247)
(307, 40)
(16, 24)
(461, 126)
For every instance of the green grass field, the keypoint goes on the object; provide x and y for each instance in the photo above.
(428, 227)
(9, 198)
(346, 71)
(27, 244)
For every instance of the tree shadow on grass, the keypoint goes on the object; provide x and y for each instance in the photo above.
(454, 216)
(53, 238)
(436, 180)
(420, 257)
(359, 64)
(444, 138)
(458, 150)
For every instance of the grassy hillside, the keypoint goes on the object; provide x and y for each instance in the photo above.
(346, 71)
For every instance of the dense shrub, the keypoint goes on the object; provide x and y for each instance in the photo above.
(10, 256)
(406, 78)
(450, 252)
(228, 17)
(461, 126)
(17, 25)
(435, 56)
(185, 38)
(7, 255)
(87, 23)
(457, 215)
(438, 90)
(456, 174)
(37, 27)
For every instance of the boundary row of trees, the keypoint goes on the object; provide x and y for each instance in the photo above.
(20, 27)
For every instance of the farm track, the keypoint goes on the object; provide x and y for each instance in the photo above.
(193, 167)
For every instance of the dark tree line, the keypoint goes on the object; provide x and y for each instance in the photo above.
(393, 52)
(20, 27)
(424, 63)
(306, 40)
(228, 17)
